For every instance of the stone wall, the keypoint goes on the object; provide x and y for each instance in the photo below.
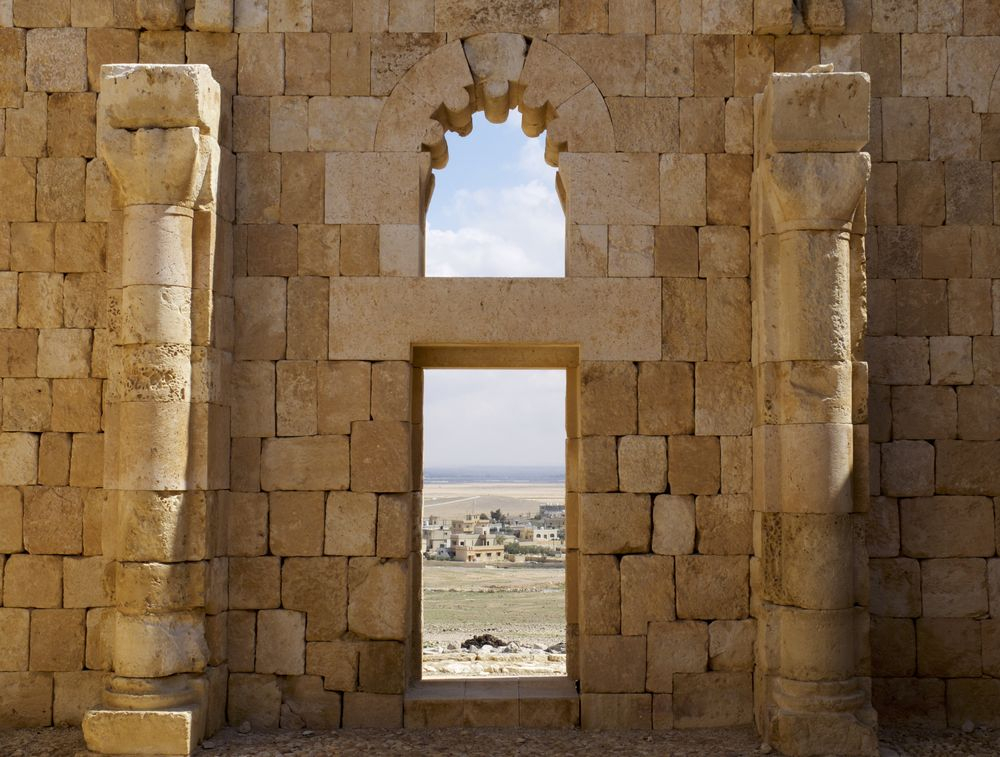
(333, 116)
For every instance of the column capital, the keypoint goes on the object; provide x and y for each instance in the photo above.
(160, 96)
(814, 191)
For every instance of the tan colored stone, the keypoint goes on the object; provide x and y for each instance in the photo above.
(254, 583)
(87, 582)
(895, 587)
(645, 124)
(57, 640)
(724, 524)
(954, 587)
(364, 710)
(947, 527)
(336, 661)
(731, 644)
(378, 598)
(712, 587)
(615, 523)
(673, 525)
(608, 398)
(600, 592)
(374, 187)
(381, 456)
(712, 700)
(647, 589)
(675, 647)
(14, 639)
(305, 463)
(344, 395)
(612, 664)
(682, 196)
(642, 464)
(53, 521)
(255, 699)
(949, 647)
(596, 182)
(318, 587)
(350, 524)
(296, 524)
(694, 464)
(26, 699)
(18, 459)
(281, 642)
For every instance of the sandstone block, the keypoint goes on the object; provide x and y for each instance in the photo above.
(724, 524)
(712, 700)
(613, 664)
(894, 647)
(11, 515)
(597, 183)
(973, 700)
(26, 700)
(908, 468)
(317, 586)
(296, 397)
(56, 60)
(882, 532)
(254, 698)
(600, 592)
(694, 464)
(305, 463)
(344, 395)
(608, 398)
(27, 405)
(598, 460)
(978, 410)
(260, 318)
(358, 187)
(947, 527)
(677, 647)
(33, 581)
(642, 464)
(731, 644)
(895, 587)
(14, 624)
(647, 589)
(381, 457)
(379, 597)
(159, 645)
(305, 703)
(954, 588)
(254, 583)
(296, 523)
(949, 647)
(673, 525)
(281, 644)
(666, 398)
(87, 582)
(712, 587)
(350, 524)
(258, 177)
(382, 667)
(57, 640)
(723, 398)
(682, 190)
(963, 468)
(615, 523)
(365, 710)
(615, 712)
(670, 63)
(100, 632)
(395, 525)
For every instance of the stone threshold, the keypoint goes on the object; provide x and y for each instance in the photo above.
(536, 702)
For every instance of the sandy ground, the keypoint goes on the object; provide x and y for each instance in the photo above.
(722, 742)
(518, 603)
(456, 500)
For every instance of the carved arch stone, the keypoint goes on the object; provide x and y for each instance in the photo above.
(495, 73)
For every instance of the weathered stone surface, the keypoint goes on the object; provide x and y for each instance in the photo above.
(378, 598)
(305, 463)
(615, 523)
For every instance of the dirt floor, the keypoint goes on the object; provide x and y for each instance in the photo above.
(728, 742)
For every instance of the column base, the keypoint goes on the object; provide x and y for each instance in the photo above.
(803, 734)
(144, 732)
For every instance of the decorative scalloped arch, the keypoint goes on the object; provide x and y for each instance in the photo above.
(495, 73)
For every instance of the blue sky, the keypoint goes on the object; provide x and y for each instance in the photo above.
(495, 213)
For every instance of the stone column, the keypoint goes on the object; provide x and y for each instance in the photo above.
(158, 135)
(812, 690)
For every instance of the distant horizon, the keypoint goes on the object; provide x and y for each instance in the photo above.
(482, 474)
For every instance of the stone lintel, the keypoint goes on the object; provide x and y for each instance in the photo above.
(380, 318)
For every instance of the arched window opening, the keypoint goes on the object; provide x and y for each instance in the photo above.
(494, 211)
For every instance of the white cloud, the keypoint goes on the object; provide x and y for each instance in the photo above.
(494, 418)
(506, 231)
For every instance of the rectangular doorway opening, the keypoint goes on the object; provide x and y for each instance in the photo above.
(493, 524)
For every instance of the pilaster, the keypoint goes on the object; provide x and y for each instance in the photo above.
(813, 691)
(159, 128)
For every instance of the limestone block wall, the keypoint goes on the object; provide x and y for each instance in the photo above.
(334, 113)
